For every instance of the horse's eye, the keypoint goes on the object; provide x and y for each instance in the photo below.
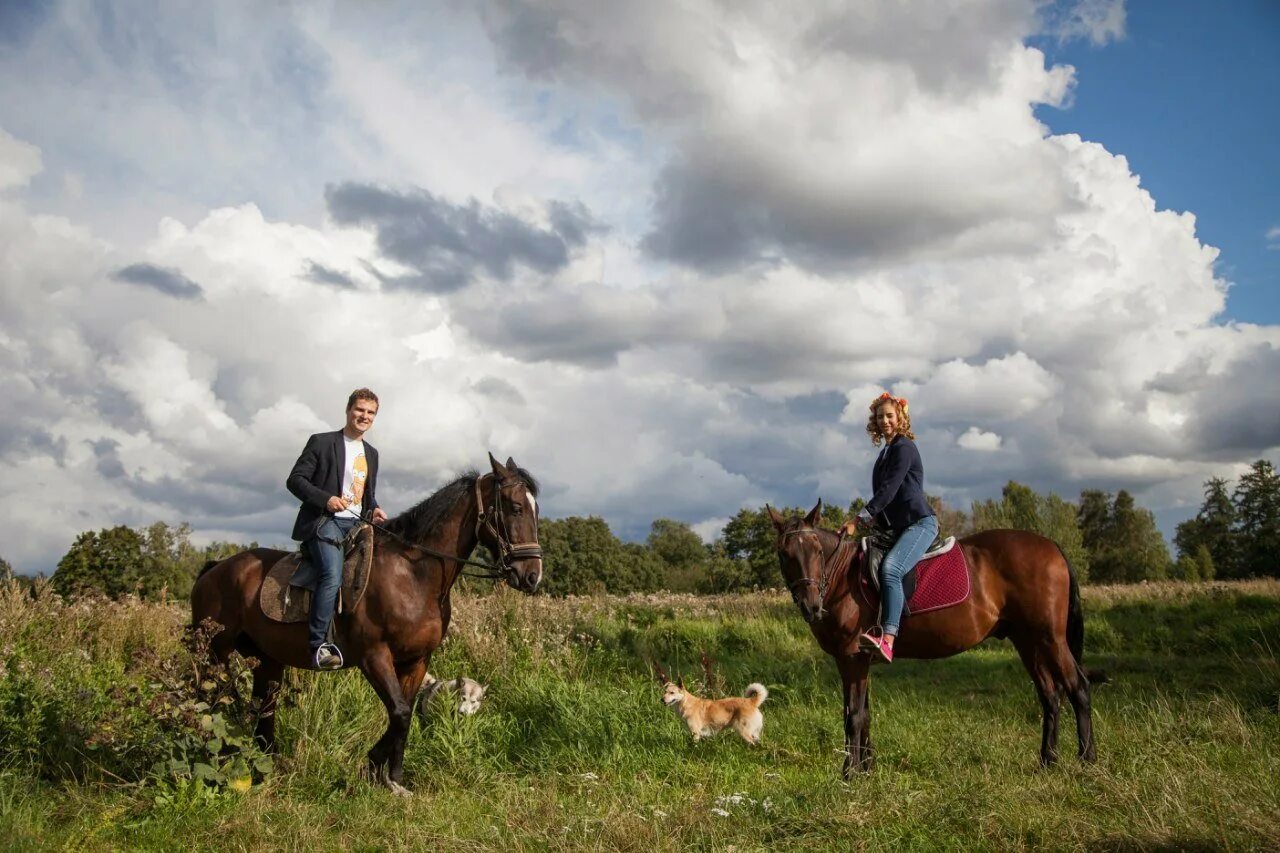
(516, 509)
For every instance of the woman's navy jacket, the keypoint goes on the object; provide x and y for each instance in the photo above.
(897, 483)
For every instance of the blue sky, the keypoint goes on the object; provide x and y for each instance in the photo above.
(1191, 97)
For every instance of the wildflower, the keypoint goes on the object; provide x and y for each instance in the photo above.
(720, 812)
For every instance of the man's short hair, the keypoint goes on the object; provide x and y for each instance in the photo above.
(362, 394)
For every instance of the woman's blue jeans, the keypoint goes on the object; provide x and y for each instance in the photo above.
(327, 558)
(904, 554)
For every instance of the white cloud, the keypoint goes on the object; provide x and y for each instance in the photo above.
(1273, 238)
(798, 210)
(976, 439)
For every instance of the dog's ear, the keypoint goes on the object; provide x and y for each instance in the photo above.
(680, 682)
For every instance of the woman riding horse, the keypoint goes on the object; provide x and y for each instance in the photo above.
(897, 483)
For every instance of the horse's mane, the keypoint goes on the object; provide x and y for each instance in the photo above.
(421, 522)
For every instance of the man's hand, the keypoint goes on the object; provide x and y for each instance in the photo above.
(379, 516)
(336, 504)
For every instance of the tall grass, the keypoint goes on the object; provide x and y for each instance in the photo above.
(573, 749)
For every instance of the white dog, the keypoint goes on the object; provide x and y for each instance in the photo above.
(470, 693)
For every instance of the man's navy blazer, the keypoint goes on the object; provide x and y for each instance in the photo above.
(897, 483)
(317, 476)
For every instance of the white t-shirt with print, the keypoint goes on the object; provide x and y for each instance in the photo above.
(354, 476)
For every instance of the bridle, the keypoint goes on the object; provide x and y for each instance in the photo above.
(805, 580)
(493, 520)
(507, 552)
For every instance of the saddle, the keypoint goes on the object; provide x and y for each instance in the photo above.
(939, 582)
(281, 601)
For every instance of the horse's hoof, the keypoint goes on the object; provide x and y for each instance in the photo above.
(398, 789)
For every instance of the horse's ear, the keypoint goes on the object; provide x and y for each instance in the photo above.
(814, 514)
(511, 466)
(778, 521)
(497, 467)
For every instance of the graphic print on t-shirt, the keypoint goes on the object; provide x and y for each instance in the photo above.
(353, 478)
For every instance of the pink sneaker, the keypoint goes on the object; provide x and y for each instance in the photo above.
(879, 643)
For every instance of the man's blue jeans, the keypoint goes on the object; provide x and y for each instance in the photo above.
(904, 554)
(327, 558)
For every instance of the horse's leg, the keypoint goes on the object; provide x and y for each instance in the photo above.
(267, 677)
(380, 671)
(410, 676)
(1071, 678)
(1036, 657)
(857, 713)
(868, 754)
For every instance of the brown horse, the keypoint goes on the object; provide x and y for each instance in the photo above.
(1021, 587)
(404, 613)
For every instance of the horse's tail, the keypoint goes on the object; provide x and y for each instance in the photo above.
(1075, 613)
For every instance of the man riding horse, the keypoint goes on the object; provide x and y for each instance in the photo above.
(336, 478)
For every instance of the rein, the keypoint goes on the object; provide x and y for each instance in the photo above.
(484, 521)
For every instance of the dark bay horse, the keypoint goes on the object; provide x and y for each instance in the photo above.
(404, 613)
(1021, 587)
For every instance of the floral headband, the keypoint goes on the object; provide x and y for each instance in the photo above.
(901, 401)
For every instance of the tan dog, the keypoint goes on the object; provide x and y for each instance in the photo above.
(706, 717)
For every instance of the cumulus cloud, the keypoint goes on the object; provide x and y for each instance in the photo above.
(976, 439)
(1273, 238)
(664, 257)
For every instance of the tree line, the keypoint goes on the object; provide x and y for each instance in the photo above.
(1107, 537)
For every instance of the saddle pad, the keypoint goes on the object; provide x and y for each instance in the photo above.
(282, 602)
(941, 581)
(934, 583)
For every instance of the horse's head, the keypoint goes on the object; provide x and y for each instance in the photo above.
(800, 553)
(508, 523)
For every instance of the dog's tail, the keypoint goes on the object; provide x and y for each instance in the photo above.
(757, 693)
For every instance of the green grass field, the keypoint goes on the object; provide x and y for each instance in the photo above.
(573, 750)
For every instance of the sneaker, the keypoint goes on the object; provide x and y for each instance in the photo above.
(328, 657)
(880, 644)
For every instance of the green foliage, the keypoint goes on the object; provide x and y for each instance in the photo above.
(581, 555)
(6, 570)
(1021, 508)
(724, 573)
(1257, 513)
(151, 562)
(208, 728)
(681, 550)
(97, 691)
(1123, 541)
(751, 537)
(107, 562)
(1213, 528)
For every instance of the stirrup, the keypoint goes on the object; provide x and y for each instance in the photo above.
(877, 642)
(328, 657)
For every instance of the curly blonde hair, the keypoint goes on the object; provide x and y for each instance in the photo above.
(904, 419)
